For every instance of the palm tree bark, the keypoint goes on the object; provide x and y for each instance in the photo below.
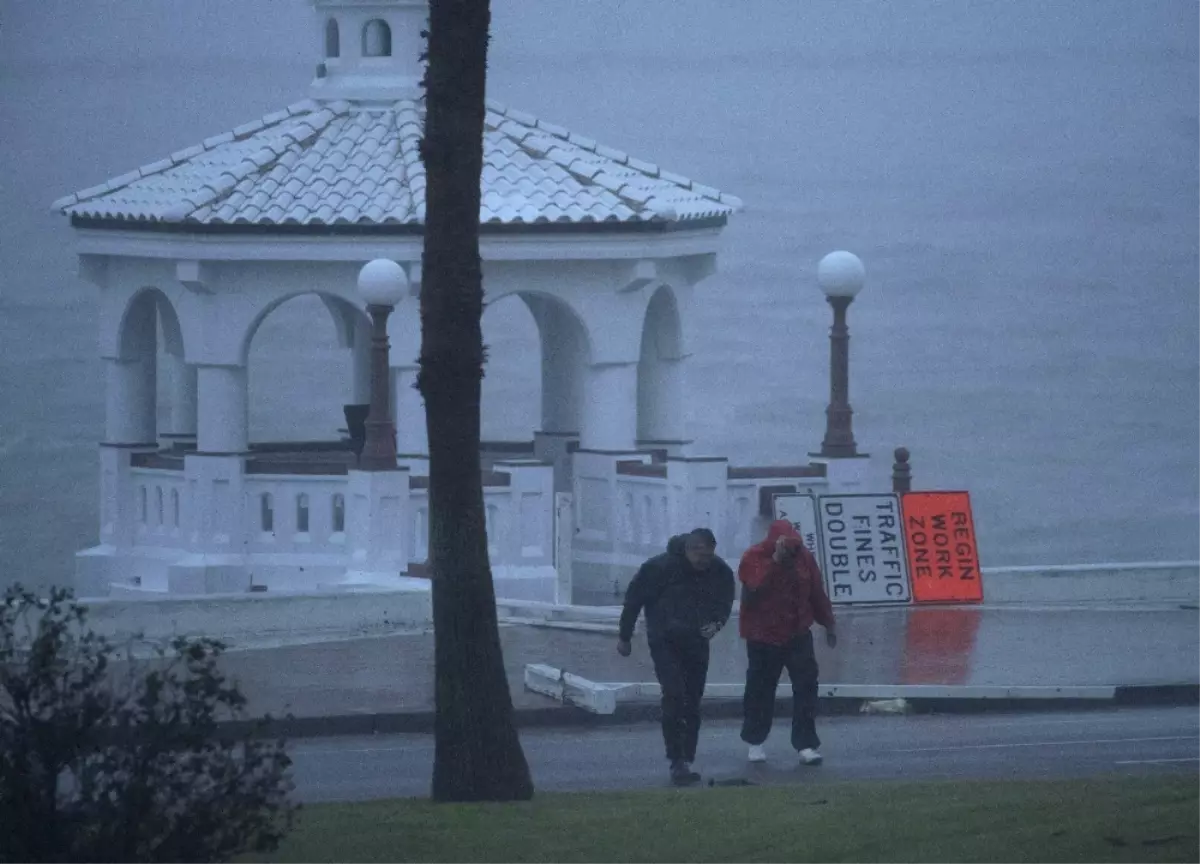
(478, 756)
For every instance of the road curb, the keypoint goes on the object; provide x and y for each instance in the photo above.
(1158, 694)
(570, 716)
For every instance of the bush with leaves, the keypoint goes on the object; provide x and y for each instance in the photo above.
(100, 765)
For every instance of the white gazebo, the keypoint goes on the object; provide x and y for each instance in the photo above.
(604, 249)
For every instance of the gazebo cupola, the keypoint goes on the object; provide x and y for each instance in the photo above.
(370, 49)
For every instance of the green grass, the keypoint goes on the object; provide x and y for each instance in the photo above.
(1117, 819)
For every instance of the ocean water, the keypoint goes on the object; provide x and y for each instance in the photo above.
(1020, 179)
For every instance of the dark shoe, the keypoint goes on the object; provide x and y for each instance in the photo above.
(682, 774)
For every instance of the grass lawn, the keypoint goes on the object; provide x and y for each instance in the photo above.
(1110, 819)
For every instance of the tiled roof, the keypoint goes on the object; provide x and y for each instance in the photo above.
(339, 164)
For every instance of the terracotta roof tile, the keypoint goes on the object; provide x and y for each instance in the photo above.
(312, 164)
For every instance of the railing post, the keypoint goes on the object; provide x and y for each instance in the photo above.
(901, 472)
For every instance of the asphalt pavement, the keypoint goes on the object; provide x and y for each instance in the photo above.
(923, 747)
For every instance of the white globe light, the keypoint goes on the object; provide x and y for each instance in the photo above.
(841, 274)
(382, 282)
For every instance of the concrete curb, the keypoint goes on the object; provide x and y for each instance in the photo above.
(938, 700)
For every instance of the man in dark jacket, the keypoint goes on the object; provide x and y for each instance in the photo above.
(783, 593)
(687, 594)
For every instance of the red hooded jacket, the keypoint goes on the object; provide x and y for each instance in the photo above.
(781, 601)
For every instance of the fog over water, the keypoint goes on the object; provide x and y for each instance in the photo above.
(1020, 179)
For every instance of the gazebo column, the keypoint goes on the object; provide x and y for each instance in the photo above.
(408, 406)
(183, 399)
(216, 471)
(564, 366)
(564, 369)
(412, 439)
(129, 428)
(610, 408)
(130, 401)
(661, 415)
(223, 407)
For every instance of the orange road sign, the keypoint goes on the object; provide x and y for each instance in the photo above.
(943, 558)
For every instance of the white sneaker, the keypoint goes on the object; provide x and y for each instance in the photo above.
(809, 756)
(757, 753)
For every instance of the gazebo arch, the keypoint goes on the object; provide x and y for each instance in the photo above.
(131, 405)
(660, 391)
(565, 355)
(348, 318)
(352, 328)
(134, 333)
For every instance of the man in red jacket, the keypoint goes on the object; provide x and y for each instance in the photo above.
(782, 594)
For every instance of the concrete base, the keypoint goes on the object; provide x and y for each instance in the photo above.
(260, 617)
(1156, 582)
(525, 583)
(361, 580)
(101, 570)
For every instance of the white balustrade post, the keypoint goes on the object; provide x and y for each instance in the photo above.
(215, 498)
(699, 494)
(117, 507)
(377, 525)
(564, 533)
(523, 561)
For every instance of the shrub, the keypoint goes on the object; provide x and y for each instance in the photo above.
(100, 765)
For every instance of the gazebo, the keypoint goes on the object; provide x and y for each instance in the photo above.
(604, 249)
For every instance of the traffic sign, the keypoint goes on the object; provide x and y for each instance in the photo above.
(942, 553)
(801, 511)
(862, 543)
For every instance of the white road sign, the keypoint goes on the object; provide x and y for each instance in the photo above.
(801, 511)
(863, 549)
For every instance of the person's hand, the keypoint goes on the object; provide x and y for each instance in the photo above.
(780, 550)
(830, 637)
(624, 648)
(708, 631)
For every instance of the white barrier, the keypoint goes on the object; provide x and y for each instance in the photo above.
(603, 698)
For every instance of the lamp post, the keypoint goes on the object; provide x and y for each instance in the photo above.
(840, 275)
(382, 284)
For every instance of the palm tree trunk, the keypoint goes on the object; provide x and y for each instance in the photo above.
(477, 755)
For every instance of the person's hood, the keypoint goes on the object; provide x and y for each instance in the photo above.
(781, 528)
(677, 544)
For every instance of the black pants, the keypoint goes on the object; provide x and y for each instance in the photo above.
(766, 663)
(681, 664)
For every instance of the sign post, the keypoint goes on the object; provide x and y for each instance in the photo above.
(942, 554)
(863, 545)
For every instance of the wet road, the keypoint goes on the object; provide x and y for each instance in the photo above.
(1009, 746)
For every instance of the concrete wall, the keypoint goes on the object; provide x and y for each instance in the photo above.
(1154, 582)
(261, 618)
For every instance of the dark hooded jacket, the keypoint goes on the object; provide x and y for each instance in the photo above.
(678, 599)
